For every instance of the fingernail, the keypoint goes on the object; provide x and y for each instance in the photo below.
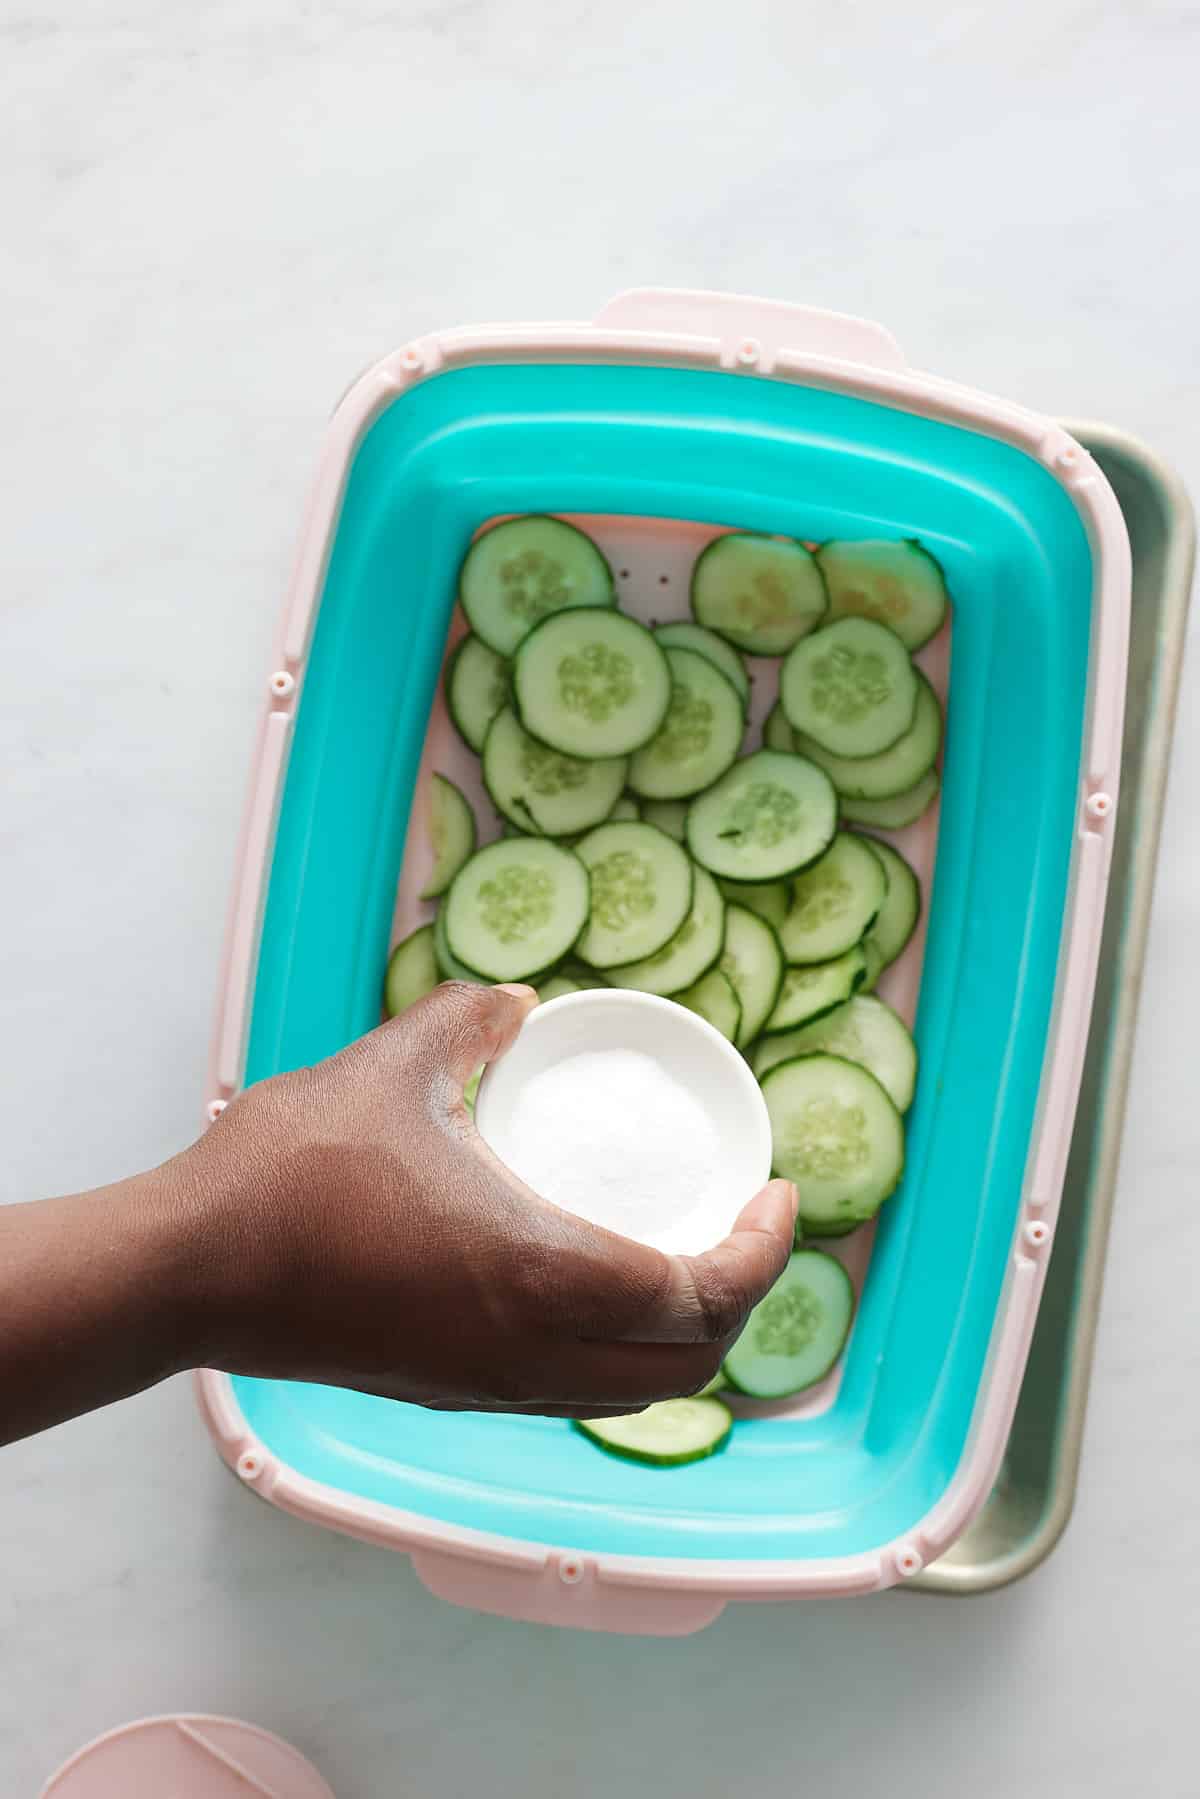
(518, 989)
(794, 1196)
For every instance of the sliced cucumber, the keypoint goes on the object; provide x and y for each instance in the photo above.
(542, 791)
(521, 571)
(752, 963)
(894, 770)
(667, 1434)
(900, 584)
(452, 969)
(808, 993)
(777, 733)
(713, 998)
(412, 971)
(626, 810)
(898, 915)
(641, 892)
(476, 688)
(770, 815)
(592, 683)
(794, 1336)
(669, 815)
(863, 1031)
(875, 964)
(452, 831)
(851, 687)
(893, 814)
(700, 736)
(834, 901)
(683, 635)
(762, 593)
(517, 907)
(556, 987)
(805, 1227)
(836, 1134)
(769, 899)
(693, 949)
(718, 1384)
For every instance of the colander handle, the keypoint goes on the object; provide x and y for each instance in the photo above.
(753, 329)
(565, 1590)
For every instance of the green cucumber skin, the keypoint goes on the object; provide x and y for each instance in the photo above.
(764, 638)
(804, 677)
(656, 774)
(867, 1210)
(471, 650)
(592, 741)
(913, 637)
(742, 1353)
(895, 813)
(489, 618)
(410, 952)
(450, 858)
(651, 1459)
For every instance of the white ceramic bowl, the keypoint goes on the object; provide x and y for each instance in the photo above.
(689, 1049)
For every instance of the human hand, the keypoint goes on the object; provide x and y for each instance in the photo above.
(364, 1235)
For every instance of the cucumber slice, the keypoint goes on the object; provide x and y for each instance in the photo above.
(863, 1031)
(806, 1227)
(770, 815)
(700, 736)
(836, 1134)
(769, 899)
(893, 814)
(539, 789)
(592, 683)
(851, 687)
(669, 816)
(693, 949)
(412, 971)
(894, 770)
(683, 635)
(520, 572)
(777, 733)
(556, 987)
(762, 593)
(453, 832)
(718, 1384)
(452, 969)
(752, 963)
(713, 998)
(641, 892)
(834, 901)
(898, 915)
(900, 584)
(808, 993)
(875, 964)
(579, 972)
(794, 1336)
(667, 1434)
(517, 907)
(626, 810)
(476, 688)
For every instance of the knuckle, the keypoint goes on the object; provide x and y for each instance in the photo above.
(722, 1304)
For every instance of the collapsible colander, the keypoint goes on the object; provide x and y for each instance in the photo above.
(673, 415)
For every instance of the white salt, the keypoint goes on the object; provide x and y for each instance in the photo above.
(612, 1136)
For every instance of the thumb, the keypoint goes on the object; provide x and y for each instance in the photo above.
(458, 1026)
(708, 1298)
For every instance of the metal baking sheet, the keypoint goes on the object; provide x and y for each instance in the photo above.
(1032, 1500)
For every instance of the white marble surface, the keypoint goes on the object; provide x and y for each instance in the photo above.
(213, 216)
